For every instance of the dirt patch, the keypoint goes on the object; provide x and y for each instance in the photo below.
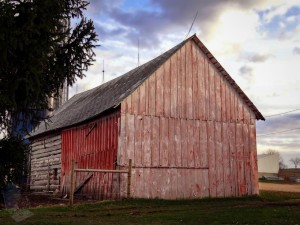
(279, 187)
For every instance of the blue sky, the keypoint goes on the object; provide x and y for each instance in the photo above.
(256, 41)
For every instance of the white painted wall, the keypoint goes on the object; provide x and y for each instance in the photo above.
(268, 163)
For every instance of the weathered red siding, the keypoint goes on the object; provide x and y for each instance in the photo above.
(94, 146)
(188, 132)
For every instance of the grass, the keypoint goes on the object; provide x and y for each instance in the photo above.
(268, 208)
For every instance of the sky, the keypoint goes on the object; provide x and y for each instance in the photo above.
(256, 41)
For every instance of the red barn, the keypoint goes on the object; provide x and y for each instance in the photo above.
(187, 126)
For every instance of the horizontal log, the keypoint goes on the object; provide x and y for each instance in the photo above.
(43, 146)
(45, 158)
(47, 140)
(43, 150)
(37, 169)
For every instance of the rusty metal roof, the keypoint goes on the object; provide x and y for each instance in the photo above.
(90, 104)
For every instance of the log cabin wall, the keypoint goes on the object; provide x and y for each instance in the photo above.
(188, 133)
(45, 163)
(92, 145)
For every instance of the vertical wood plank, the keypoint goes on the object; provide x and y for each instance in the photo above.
(190, 144)
(219, 160)
(207, 88)
(212, 93)
(122, 152)
(128, 103)
(167, 88)
(155, 134)
(152, 94)
(142, 99)
(253, 159)
(184, 147)
(212, 159)
(201, 85)
(179, 85)
(196, 146)
(203, 145)
(130, 137)
(218, 97)
(138, 123)
(226, 160)
(163, 157)
(147, 184)
(247, 159)
(228, 102)
(135, 101)
(183, 82)
(177, 143)
(147, 142)
(195, 82)
(232, 106)
(223, 99)
(173, 183)
(240, 110)
(240, 159)
(159, 91)
(189, 80)
(174, 86)
(233, 159)
(171, 146)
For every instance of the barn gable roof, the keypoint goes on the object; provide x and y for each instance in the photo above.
(90, 104)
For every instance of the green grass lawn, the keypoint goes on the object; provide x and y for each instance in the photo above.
(268, 208)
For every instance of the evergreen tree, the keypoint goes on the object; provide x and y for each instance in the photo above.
(39, 51)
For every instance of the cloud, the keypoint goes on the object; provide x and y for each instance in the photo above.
(246, 72)
(257, 58)
(296, 50)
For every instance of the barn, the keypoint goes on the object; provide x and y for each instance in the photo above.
(187, 126)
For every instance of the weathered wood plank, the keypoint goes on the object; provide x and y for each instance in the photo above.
(180, 76)
(226, 160)
(147, 141)
(212, 159)
(247, 159)
(163, 146)
(240, 159)
(204, 154)
(159, 92)
(155, 137)
(173, 183)
(174, 86)
(196, 146)
(138, 123)
(142, 102)
(167, 88)
(253, 159)
(183, 83)
(195, 82)
(184, 143)
(190, 145)
(212, 93)
(219, 160)
(122, 153)
(172, 144)
(130, 137)
(189, 81)
(177, 142)
(218, 97)
(201, 86)
(233, 159)
(152, 93)
(207, 88)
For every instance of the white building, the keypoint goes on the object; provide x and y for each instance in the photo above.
(268, 165)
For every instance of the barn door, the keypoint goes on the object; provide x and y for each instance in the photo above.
(93, 146)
